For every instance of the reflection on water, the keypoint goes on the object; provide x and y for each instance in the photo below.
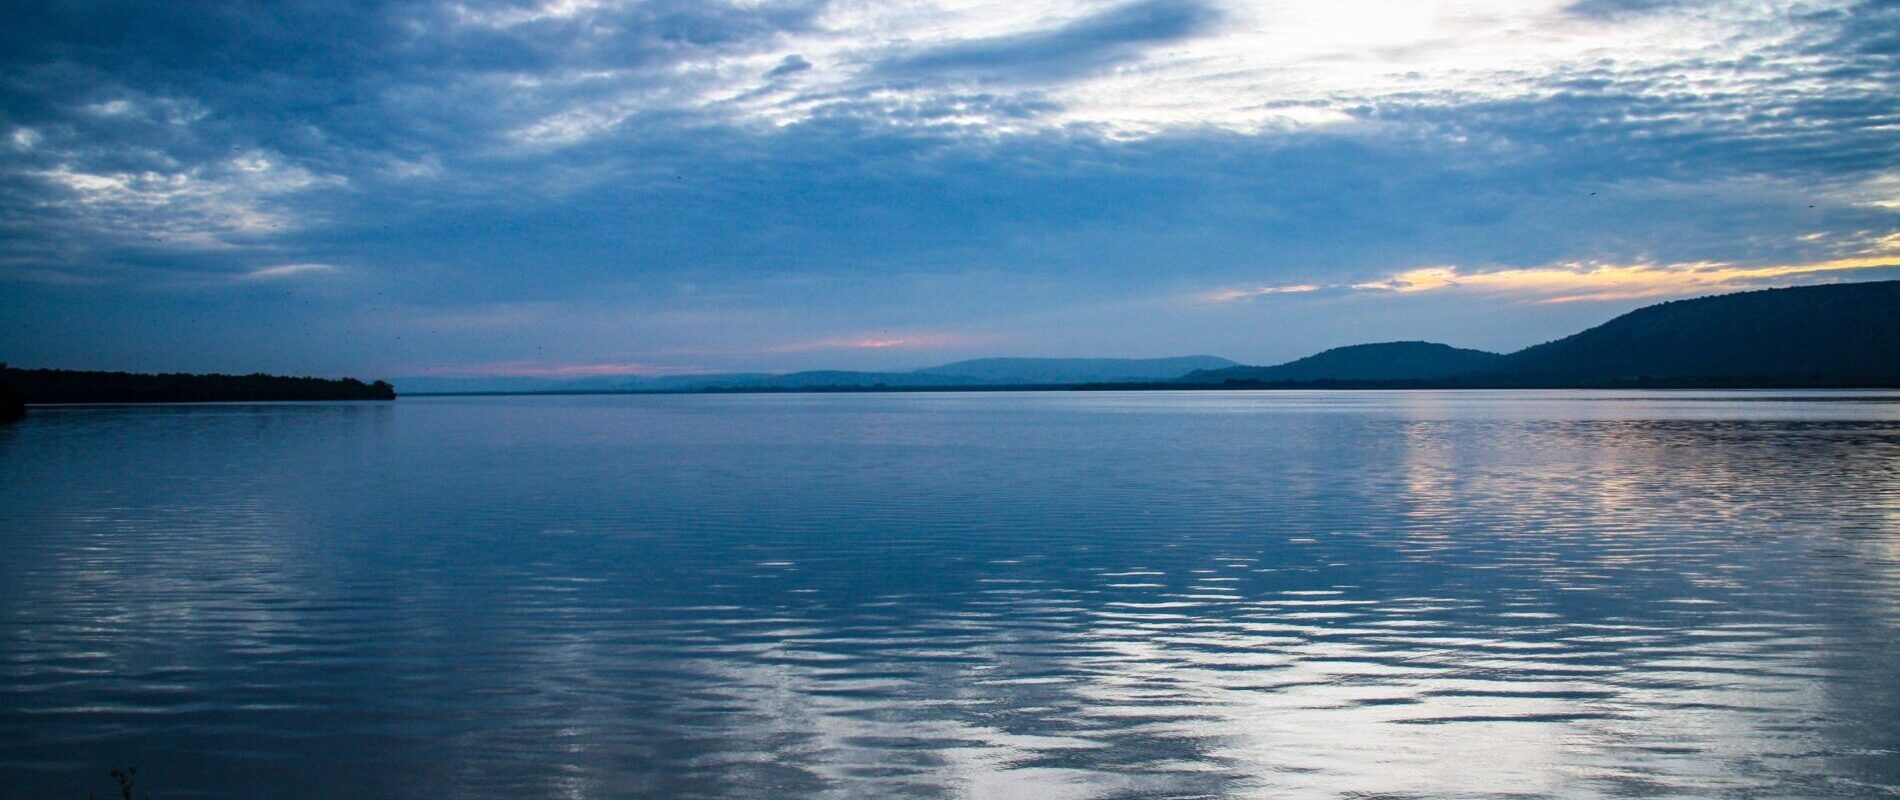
(1040, 595)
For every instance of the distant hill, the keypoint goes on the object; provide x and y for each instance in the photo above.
(979, 372)
(1845, 334)
(667, 383)
(1384, 361)
(431, 384)
(1076, 370)
(74, 386)
(841, 378)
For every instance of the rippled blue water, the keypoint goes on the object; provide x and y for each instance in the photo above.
(1567, 594)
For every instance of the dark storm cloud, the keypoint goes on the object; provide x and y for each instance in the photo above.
(1078, 47)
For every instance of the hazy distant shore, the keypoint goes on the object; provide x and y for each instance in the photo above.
(1839, 336)
(1312, 386)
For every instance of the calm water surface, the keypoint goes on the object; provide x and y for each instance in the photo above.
(1044, 596)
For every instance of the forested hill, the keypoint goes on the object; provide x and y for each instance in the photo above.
(75, 386)
(1383, 361)
(1835, 335)
(1844, 334)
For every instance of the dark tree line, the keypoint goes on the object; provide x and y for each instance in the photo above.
(74, 386)
(12, 406)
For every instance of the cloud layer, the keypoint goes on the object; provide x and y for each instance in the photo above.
(391, 187)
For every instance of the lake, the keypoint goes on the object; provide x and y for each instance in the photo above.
(994, 595)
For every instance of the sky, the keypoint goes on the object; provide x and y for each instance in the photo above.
(583, 188)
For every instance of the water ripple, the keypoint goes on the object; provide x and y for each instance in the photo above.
(1534, 594)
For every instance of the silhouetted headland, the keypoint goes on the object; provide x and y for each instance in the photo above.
(1834, 336)
(48, 386)
(1844, 334)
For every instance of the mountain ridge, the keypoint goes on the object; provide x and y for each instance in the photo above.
(1828, 335)
(1003, 371)
(1406, 360)
(1077, 370)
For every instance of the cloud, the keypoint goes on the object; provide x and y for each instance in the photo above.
(1618, 9)
(789, 65)
(209, 206)
(1078, 47)
(1575, 283)
(1578, 282)
(504, 176)
(1230, 295)
(281, 271)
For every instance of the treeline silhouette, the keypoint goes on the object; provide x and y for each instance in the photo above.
(75, 386)
(12, 405)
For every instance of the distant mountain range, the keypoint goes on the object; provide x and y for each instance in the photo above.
(1834, 335)
(979, 372)
(1077, 370)
(1837, 335)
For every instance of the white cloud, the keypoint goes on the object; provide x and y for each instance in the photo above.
(201, 207)
(288, 271)
(112, 108)
(1586, 281)
(1571, 283)
(1299, 63)
(1230, 295)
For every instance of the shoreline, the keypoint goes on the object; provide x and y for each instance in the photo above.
(1162, 388)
